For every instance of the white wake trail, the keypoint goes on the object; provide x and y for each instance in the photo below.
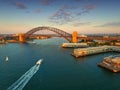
(23, 80)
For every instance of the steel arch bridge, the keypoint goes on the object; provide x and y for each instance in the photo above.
(62, 33)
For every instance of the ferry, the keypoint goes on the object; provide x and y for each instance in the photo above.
(39, 62)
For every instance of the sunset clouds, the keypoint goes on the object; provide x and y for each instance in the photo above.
(87, 8)
(79, 15)
(110, 24)
(20, 5)
(63, 15)
(72, 14)
(46, 2)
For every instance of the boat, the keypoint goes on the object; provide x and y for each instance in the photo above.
(39, 62)
(6, 59)
(31, 42)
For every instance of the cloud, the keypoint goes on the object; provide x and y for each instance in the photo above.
(20, 5)
(63, 15)
(81, 23)
(110, 24)
(38, 10)
(86, 9)
(46, 2)
(70, 14)
(89, 7)
(16, 3)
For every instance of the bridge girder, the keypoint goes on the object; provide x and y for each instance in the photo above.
(63, 34)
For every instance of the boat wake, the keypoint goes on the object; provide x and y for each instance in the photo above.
(23, 80)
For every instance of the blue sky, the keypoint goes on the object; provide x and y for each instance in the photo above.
(84, 16)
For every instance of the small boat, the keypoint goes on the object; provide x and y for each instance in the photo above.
(6, 59)
(31, 42)
(39, 62)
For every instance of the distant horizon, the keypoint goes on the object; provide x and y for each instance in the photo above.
(80, 33)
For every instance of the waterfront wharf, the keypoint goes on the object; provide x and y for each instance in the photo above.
(94, 50)
(111, 63)
(74, 45)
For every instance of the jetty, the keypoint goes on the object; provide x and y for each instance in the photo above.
(94, 50)
(111, 63)
(74, 45)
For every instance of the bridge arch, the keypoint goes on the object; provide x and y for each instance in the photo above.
(63, 34)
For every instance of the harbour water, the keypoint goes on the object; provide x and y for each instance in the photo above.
(58, 71)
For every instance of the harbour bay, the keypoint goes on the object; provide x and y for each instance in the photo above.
(59, 70)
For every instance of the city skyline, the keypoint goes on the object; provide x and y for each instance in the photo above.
(84, 16)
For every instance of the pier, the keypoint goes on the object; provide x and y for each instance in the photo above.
(111, 63)
(94, 50)
(73, 45)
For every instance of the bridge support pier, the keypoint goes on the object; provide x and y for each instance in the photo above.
(75, 37)
(21, 38)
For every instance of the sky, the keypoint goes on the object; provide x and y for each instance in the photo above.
(83, 16)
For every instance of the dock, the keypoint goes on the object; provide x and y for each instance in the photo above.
(94, 50)
(111, 63)
(74, 45)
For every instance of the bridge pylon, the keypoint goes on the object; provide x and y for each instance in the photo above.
(75, 37)
(21, 37)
